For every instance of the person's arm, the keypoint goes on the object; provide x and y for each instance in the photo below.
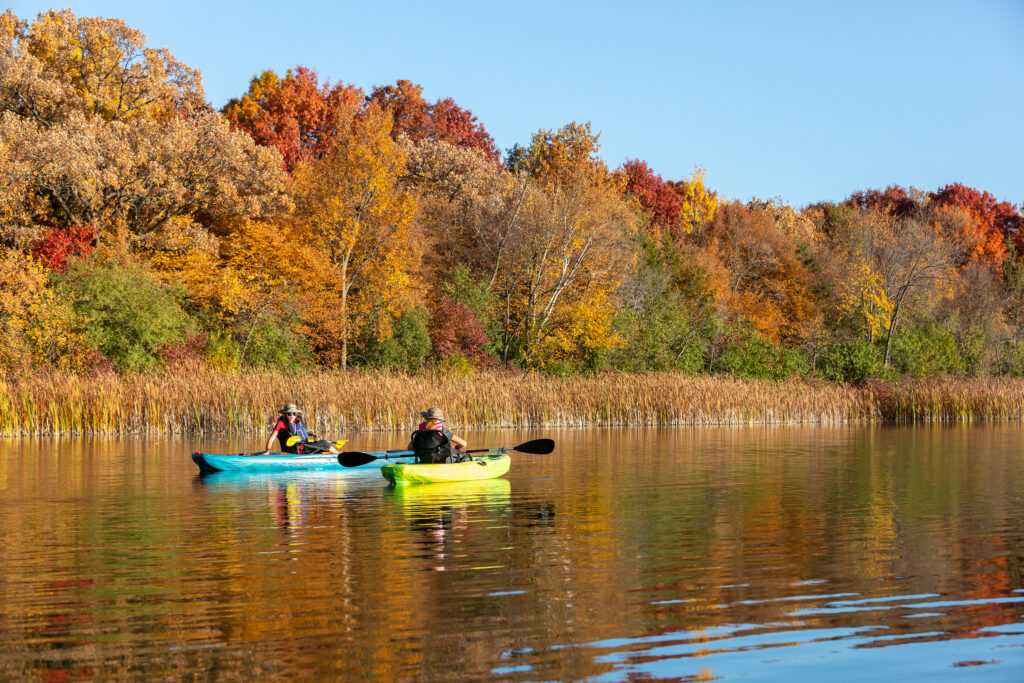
(272, 439)
(459, 443)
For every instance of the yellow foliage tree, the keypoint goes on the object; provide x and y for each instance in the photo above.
(862, 295)
(38, 327)
(572, 241)
(357, 215)
(582, 331)
(699, 203)
(61, 63)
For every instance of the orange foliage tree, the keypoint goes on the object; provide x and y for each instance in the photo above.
(295, 114)
(442, 120)
(354, 212)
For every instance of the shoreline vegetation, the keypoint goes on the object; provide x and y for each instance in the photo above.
(167, 267)
(203, 402)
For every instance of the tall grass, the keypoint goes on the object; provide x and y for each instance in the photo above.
(203, 401)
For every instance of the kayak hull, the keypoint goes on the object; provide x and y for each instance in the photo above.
(278, 462)
(487, 467)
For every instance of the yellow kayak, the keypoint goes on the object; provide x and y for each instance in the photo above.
(487, 467)
(486, 492)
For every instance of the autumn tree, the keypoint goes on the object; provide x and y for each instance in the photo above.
(471, 209)
(574, 248)
(984, 225)
(131, 178)
(893, 200)
(442, 121)
(360, 219)
(296, 114)
(769, 285)
(848, 285)
(699, 204)
(657, 197)
(40, 328)
(60, 63)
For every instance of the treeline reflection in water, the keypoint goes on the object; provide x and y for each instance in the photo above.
(839, 554)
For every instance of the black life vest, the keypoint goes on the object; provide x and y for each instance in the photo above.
(431, 446)
(290, 430)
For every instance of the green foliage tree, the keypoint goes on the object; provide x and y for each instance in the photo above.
(925, 349)
(750, 355)
(665, 319)
(407, 348)
(851, 361)
(127, 314)
(271, 344)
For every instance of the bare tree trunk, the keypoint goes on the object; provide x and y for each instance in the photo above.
(891, 332)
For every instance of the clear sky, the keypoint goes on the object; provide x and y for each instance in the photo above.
(804, 101)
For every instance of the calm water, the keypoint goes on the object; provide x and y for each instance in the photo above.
(726, 554)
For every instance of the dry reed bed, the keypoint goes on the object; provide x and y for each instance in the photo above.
(203, 401)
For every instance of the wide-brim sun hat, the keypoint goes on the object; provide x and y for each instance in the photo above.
(432, 414)
(290, 408)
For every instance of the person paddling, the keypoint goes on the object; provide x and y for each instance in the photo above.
(432, 441)
(291, 434)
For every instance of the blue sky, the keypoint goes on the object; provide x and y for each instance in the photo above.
(797, 100)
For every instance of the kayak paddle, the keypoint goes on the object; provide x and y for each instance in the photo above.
(292, 440)
(535, 447)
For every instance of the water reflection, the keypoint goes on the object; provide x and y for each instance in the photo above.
(737, 553)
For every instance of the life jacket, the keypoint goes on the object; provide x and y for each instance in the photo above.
(431, 446)
(298, 429)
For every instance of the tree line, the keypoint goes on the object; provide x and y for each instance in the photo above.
(314, 224)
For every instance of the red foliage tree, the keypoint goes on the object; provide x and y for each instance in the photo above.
(894, 200)
(657, 196)
(296, 114)
(443, 120)
(58, 245)
(997, 222)
(455, 329)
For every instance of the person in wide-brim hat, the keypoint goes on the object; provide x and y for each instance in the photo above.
(290, 409)
(432, 441)
(291, 435)
(432, 414)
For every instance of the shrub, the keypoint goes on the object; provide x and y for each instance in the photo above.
(662, 336)
(407, 348)
(455, 330)
(457, 366)
(58, 245)
(270, 344)
(127, 314)
(222, 351)
(1012, 359)
(926, 349)
(755, 357)
(850, 361)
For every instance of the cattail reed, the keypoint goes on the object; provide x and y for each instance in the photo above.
(201, 400)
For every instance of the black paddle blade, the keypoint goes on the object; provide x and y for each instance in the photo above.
(354, 458)
(537, 446)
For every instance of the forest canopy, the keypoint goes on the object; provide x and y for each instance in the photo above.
(311, 223)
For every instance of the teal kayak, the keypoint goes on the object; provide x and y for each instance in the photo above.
(283, 462)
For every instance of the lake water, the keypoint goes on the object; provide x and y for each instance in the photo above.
(695, 554)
